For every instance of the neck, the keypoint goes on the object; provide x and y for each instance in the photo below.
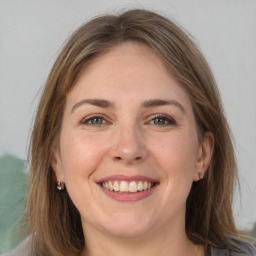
(160, 243)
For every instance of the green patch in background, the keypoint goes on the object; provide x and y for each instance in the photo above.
(250, 234)
(13, 186)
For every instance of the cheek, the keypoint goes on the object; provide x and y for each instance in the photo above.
(180, 148)
(80, 155)
(176, 156)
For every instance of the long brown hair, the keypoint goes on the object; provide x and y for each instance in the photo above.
(53, 220)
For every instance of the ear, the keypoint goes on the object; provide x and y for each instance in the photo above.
(56, 163)
(204, 155)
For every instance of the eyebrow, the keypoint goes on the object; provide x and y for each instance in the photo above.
(96, 102)
(146, 104)
(160, 102)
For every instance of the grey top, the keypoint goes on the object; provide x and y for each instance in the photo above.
(249, 250)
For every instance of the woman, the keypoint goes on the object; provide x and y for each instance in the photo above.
(131, 152)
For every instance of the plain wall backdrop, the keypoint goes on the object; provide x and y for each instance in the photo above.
(32, 33)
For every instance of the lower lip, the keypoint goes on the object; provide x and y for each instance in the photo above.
(128, 197)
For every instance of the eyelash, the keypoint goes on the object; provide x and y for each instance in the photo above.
(168, 121)
(88, 119)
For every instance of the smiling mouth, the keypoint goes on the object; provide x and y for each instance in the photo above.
(127, 186)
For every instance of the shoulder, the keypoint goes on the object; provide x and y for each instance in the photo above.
(247, 249)
(23, 249)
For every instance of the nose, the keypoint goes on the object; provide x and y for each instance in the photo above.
(128, 146)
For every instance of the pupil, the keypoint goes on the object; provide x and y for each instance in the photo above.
(159, 121)
(96, 121)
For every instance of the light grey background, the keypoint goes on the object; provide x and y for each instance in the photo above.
(32, 33)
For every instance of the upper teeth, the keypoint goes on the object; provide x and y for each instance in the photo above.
(124, 186)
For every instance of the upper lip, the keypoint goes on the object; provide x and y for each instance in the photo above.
(120, 177)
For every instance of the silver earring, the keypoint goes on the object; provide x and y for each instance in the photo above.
(60, 186)
(201, 175)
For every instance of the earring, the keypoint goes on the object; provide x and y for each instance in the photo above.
(201, 175)
(60, 186)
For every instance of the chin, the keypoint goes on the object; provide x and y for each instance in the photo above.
(129, 226)
(130, 232)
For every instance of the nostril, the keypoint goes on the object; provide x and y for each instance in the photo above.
(136, 159)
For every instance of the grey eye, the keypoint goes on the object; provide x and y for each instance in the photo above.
(162, 120)
(94, 120)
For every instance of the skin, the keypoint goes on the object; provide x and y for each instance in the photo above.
(128, 138)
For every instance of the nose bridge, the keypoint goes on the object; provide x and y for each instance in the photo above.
(128, 144)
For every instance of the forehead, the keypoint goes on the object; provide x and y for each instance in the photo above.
(127, 69)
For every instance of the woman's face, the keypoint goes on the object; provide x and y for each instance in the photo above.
(129, 149)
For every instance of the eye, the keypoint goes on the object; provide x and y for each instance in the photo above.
(94, 120)
(162, 120)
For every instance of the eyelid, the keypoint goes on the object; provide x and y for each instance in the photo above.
(96, 115)
(168, 118)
